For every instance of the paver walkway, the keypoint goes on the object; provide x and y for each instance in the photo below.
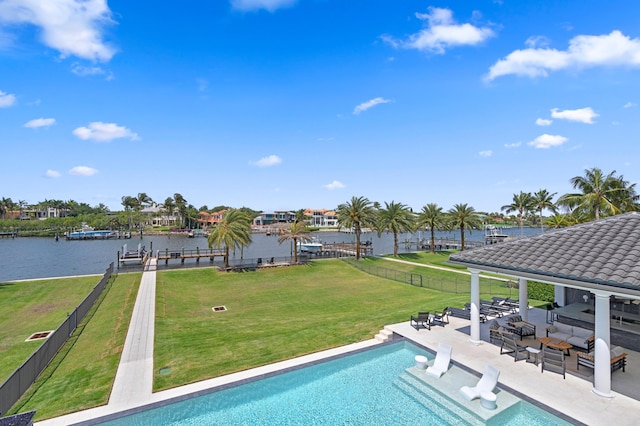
(134, 378)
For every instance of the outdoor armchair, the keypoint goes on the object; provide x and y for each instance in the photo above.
(422, 320)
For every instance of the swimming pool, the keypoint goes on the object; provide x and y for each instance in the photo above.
(358, 389)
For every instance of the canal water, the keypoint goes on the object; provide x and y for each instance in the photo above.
(30, 257)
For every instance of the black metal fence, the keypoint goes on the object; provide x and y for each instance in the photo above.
(461, 285)
(25, 375)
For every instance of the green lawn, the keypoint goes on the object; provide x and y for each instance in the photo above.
(27, 307)
(82, 374)
(272, 315)
(439, 258)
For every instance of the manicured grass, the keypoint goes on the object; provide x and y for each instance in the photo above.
(27, 307)
(82, 374)
(272, 315)
(439, 258)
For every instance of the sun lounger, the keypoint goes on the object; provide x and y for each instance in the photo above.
(487, 383)
(441, 363)
(465, 313)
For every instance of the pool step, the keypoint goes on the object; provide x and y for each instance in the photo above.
(435, 401)
(385, 335)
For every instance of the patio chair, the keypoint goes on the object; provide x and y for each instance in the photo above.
(422, 320)
(553, 360)
(520, 327)
(511, 346)
(441, 318)
(441, 363)
(495, 332)
(487, 383)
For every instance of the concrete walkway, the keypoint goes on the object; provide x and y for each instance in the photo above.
(134, 378)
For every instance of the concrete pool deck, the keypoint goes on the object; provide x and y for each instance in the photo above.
(572, 396)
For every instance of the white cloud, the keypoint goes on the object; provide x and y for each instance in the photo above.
(487, 153)
(630, 105)
(6, 99)
(40, 122)
(272, 160)
(83, 71)
(547, 141)
(269, 5)
(440, 33)
(582, 115)
(104, 132)
(72, 27)
(512, 145)
(53, 174)
(614, 49)
(537, 41)
(83, 171)
(336, 184)
(544, 122)
(369, 104)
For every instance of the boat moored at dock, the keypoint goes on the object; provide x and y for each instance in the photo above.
(88, 233)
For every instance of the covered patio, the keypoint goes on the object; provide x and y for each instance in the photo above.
(596, 264)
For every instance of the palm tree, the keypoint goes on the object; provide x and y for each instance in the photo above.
(143, 200)
(130, 204)
(433, 218)
(233, 231)
(299, 216)
(181, 206)
(356, 214)
(543, 200)
(396, 218)
(599, 193)
(521, 203)
(462, 217)
(558, 221)
(296, 232)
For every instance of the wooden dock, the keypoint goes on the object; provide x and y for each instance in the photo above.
(8, 234)
(183, 254)
(344, 249)
(441, 244)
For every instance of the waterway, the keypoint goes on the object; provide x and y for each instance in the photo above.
(29, 257)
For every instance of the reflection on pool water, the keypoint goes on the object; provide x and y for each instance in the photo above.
(358, 389)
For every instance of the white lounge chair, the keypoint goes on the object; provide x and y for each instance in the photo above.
(441, 363)
(487, 383)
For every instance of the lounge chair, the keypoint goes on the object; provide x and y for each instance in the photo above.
(553, 360)
(487, 383)
(511, 346)
(520, 327)
(422, 320)
(441, 318)
(441, 363)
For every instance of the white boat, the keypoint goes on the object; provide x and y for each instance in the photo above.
(313, 246)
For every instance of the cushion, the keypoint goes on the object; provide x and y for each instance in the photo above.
(582, 332)
(564, 328)
(578, 341)
(560, 336)
(617, 351)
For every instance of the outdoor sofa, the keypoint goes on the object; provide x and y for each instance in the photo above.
(618, 359)
(580, 338)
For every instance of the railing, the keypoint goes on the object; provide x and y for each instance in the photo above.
(25, 375)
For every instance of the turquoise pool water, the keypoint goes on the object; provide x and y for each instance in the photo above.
(358, 389)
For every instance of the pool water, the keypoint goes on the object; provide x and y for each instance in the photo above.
(357, 389)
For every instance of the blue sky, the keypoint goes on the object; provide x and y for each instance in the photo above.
(288, 104)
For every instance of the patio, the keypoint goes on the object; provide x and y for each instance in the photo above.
(572, 396)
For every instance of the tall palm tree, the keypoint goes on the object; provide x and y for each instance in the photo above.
(396, 218)
(462, 217)
(299, 216)
(130, 204)
(143, 200)
(297, 232)
(233, 231)
(521, 203)
(356, 214)
(181, 206)
(168, 206)
(543, 200)
(434, 219)
(599, 193)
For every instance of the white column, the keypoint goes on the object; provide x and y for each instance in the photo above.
(475, 306)
(602, 363)
(523, 295)
(558, 294)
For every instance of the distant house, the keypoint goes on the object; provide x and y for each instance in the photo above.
(158, 216)
(272, 218)
(321, 218)
(206, 219)
(40, 213)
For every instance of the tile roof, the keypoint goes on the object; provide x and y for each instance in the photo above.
(604, 252)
